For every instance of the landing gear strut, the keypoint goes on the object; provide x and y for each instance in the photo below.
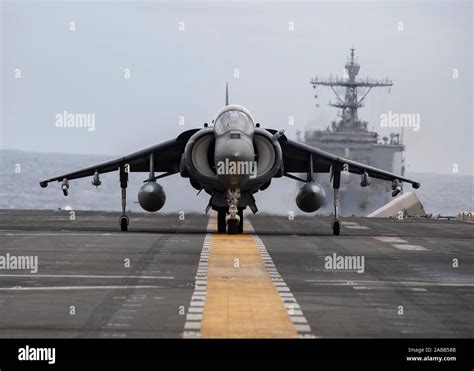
(123, 220)
(234, 219)
(336, 182)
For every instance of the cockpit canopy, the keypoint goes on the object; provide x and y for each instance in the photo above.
(233, 118)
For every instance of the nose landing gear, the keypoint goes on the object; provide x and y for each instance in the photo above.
(231, 219)
(230, 226)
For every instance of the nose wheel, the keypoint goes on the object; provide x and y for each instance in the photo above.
(236, 226)
(233, 215)
(232, 226)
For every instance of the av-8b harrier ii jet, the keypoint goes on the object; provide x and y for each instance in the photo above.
(231, 161)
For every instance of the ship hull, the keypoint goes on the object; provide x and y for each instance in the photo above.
(360, 147)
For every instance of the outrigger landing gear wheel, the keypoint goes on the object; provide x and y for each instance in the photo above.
(233, 226)
(336, 182)
(336, 227)
(221, 227)
(123, 223)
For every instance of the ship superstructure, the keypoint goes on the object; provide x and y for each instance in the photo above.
(350, 137)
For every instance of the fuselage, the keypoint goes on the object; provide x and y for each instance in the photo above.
(234, 154)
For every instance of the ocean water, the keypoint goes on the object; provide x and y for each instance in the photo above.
(20, 173)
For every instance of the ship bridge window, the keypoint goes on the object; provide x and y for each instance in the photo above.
(233, 120)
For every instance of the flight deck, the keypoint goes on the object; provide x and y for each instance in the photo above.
(175, 277)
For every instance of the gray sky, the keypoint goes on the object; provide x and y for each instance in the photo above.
(182, 73)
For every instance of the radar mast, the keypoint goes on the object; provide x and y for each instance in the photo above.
(352, 88)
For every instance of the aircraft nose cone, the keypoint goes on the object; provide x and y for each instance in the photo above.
(234, 162)
(234, 150)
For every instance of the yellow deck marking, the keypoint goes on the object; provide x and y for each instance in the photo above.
(241, 301)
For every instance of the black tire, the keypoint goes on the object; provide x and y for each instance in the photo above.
(221, 214)
(241, 223)
(232, 226)
(336, 228)
(123, 224)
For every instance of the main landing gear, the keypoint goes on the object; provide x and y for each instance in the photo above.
(221, 214)
(233, 226)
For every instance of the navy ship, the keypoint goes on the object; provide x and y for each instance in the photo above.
(350, 137)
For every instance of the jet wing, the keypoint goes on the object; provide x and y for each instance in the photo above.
(296, 157)
(166, 156)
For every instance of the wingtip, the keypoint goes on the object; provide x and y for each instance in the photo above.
(43, 184)
(416, 185)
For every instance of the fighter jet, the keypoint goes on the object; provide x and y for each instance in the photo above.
(231, 161)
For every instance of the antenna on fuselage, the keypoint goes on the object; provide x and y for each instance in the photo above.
(226, 93)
